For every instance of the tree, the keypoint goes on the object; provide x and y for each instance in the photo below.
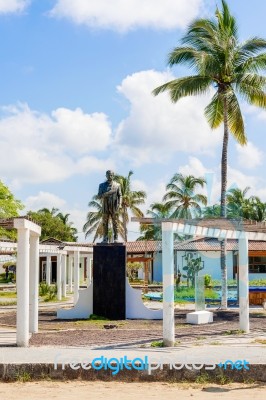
(258, 209)
(9, 207)
(53, 226)
(154, 231)
(182, 198)
(131, 199)
(212, 49)
(238, 205)
(213, 211)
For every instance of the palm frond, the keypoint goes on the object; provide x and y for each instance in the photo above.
(214, 111)
(182, 87)
(235, 119)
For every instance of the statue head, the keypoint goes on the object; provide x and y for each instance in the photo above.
(110, 175)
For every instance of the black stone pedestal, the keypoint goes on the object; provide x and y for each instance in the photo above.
(109, 281)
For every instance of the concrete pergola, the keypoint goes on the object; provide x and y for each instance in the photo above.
(74, 251)
(219, 228)
(27, 276)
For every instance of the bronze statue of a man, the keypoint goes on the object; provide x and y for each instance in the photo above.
(110, 193)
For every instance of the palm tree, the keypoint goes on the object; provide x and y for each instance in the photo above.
(213, 211)
(238, 205)
(258, 209)
(63, 217)
(131, 199)
(53, 211)
(212, 49)
(154, 232)
(182, 198)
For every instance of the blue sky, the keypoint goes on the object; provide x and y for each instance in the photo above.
(76, 80)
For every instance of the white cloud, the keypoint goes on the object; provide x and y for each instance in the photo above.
(194, 167)
(11, 6)
(37, 147)
(44, 200)
(249, 156)
(156, 128)
(125, 15)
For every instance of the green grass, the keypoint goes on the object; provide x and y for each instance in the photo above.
(23, 377)
(161, 344)
(234, 332)
(8, 294)
(185, 292)
(261, 341)
(8, 303)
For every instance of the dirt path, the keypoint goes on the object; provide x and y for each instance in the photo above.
(71, 390)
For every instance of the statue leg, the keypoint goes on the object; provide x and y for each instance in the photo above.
(115, 226)
(105, 228)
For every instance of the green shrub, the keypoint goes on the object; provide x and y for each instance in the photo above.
(207, 280)
(43, 289)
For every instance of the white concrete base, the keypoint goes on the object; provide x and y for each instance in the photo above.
(200, 317)
(82, 309)
(135, 309)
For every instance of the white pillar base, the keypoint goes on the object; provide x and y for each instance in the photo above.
(200, 317)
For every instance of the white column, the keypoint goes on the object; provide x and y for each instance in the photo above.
(59, 276)
(168, 284)
(76, 276)
(243, 283)
(48, 270)
(89, 272)
(64, 275)
(23, 288)
(70, 273)
(34, 283)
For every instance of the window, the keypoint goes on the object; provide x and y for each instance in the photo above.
(257, 265)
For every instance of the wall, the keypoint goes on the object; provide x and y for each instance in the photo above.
(211, 263)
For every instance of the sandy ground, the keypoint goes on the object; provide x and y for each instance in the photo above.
(127, 391)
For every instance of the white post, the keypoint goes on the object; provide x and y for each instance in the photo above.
(64, 275)
(59, 276)
(23, 287)
(76, 276)
(168, 284)
(34, 283)
(89, 274)
(70, 273)
(48, 270)
(243, 283)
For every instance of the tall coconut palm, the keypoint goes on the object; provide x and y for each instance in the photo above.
(181, 196)
(212, 49)
(131, 199)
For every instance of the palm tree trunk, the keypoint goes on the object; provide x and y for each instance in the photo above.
(223, 206)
